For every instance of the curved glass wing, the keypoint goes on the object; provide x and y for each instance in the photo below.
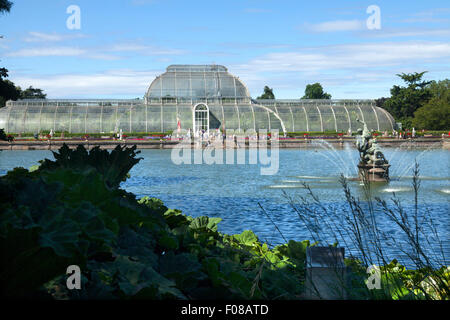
(78, 119)
(314, 117)
(342, 118)
(328, 118)
(169, 117)
(62, 118)
(246, 117)
(261, 118)
(32, 117)
(286, 115)
(93, 119)
(16, 119)
(387, 122)
(154, 119)
(185, 116)
(98, 116)
(275, 123)
(369, 117)
(109, 119)
(231, 117)
(138, 118)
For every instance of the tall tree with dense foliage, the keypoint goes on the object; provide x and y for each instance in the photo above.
(33, 93)
(5, 6)
(404, 101)
(435, 114)
(268, 93)
(8, 90)
(315, 91)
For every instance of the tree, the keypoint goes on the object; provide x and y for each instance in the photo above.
(3, 73)
(380, 102)
(8, 90)
(5, 6)
(268, 93)
(33, 93)
(404, 101)
(435, 114)
(2, 135)
(315, 91)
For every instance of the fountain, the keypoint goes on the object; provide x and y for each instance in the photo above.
(372, 166)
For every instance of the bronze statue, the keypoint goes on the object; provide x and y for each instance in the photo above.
(372, 160)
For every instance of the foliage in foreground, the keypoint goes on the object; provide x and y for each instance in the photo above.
(357, 228)
(71, 211)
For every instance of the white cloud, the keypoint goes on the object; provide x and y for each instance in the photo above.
(429, 16)
(337, 25)
(367, 68)
(116, 83)
(144, 49)
(51, 37)
(103, 53)
(350, 56)
(389, 33)
(364, 66)
(47, 51)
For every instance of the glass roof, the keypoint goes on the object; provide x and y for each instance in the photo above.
(319, 115)
(171, 98)
(196, 68)
(197, 82)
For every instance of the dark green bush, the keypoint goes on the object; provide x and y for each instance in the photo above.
(72, 211)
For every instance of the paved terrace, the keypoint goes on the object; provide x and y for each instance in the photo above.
(307, 142)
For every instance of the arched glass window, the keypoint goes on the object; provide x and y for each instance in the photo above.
(201, 118)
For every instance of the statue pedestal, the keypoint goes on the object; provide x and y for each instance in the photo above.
(370, 172)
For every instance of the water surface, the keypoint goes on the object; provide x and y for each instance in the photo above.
(234, 192)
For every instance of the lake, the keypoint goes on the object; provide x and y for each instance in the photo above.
(235, 192)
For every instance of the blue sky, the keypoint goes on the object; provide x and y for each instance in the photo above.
(122, 45)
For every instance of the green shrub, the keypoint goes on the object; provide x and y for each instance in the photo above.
(72, 211)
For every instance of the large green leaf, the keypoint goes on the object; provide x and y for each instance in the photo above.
(133, 276)
(184, 268)
(246, 238)
(112, 166)
(59, 234)
(25, 265)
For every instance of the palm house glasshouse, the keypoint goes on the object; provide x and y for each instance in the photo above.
(195, 97)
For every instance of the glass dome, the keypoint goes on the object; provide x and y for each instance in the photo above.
(197, 82)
